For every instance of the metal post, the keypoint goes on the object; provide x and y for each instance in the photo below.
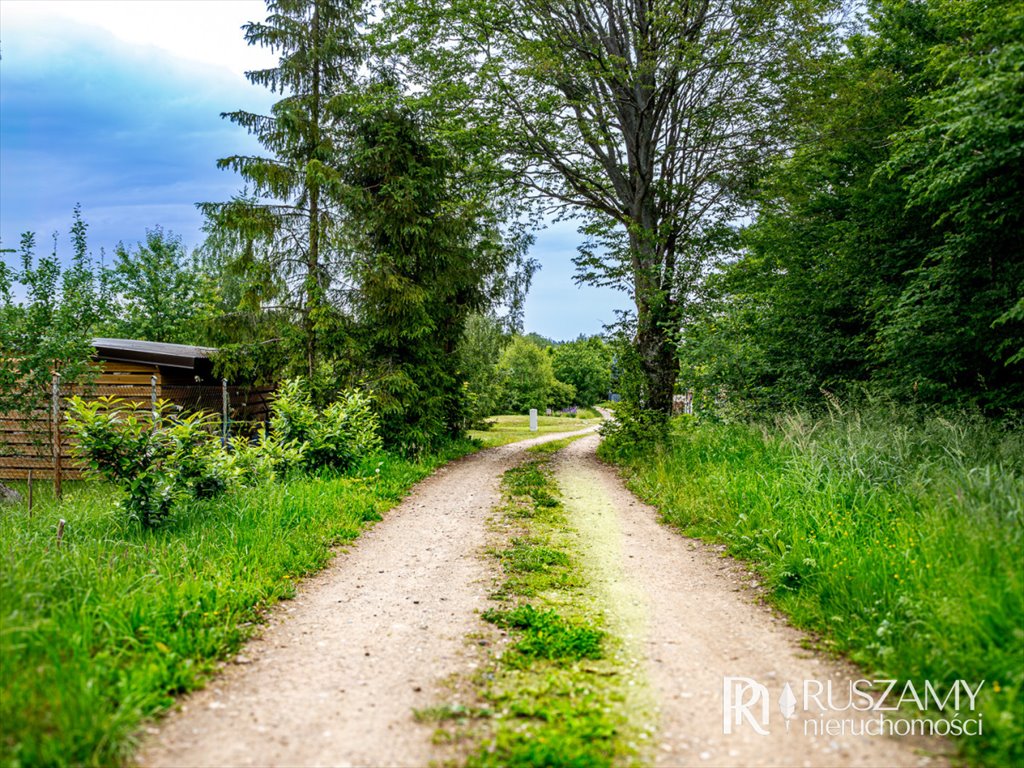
(57, 468)
(224, 412)
(152, 400)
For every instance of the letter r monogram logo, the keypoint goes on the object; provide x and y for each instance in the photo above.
(740, 695)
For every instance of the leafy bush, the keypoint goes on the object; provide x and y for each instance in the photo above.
(155, 460)
(199, 464)
(338, 436)
(158, 459)
(561, 395)
(633, 429)
(268, 459)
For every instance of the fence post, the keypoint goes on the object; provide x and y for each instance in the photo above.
(224, 432)
(30, 493)
(152, 399)
(57, 449)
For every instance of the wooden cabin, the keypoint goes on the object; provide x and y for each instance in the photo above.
(138, 371)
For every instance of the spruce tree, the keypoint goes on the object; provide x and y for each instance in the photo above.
(285, 225)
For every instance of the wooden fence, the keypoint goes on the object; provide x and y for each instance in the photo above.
(39, 441)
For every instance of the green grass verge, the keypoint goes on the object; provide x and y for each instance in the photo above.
(103, 631)
(898, 539)
(511, 429)
(554, 696)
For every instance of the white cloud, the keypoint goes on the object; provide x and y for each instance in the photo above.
(206, 31)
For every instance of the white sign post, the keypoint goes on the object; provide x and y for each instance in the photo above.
(533, 419)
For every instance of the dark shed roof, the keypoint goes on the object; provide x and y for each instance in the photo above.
(155, 353)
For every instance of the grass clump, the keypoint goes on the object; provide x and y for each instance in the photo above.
(531, 489)
(547, 635)
(527, 556)
(104, 629)
(897, 537)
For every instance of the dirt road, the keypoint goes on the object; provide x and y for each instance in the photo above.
(693, 621)
(334, 678)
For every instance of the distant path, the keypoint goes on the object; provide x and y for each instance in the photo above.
(334, 678)
(693, 623)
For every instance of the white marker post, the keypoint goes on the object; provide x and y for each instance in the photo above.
(533, 419)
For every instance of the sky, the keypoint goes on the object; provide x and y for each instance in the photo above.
(116, 104)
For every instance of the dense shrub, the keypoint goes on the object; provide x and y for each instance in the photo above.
(266, 460)
(158, 458)
(337, 437)
(154, 458)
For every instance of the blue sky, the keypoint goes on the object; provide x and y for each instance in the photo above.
(116, 105)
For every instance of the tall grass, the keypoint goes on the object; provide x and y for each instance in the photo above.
(102, 631)
(898, 537)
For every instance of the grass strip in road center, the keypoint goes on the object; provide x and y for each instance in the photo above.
(553, 689)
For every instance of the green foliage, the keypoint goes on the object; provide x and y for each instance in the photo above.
(432, 253)
(102, 632)
(634, 428)
(561, 396)
(546, 635)
(267, 460)
(338, 436)
(50, 329)
(479, 350)
(154, 459)
(526, 555)
(598, 104)
(159, 460)
(283, 232)
(865, 526)
(526, 375)
(586, 364)
(885, 248)
(156, 290)
(961, 161)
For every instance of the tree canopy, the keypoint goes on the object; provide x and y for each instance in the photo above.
(887, 249)
(644, 118)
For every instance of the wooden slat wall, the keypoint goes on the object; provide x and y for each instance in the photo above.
(26, 440)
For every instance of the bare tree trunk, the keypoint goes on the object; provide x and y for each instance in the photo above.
(657, 331)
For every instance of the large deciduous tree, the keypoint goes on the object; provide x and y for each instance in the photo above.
(287, 223)
(645, 116)
(886, 249)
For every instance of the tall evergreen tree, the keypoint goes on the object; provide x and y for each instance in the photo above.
(287, 224)
(429, 251)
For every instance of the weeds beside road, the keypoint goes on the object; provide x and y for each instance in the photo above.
(898, 539)
(103, 630)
